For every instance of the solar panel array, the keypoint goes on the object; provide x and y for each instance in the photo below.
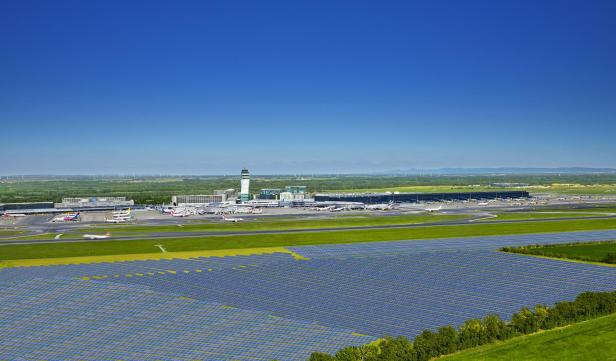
(266, 307)
(61, 319)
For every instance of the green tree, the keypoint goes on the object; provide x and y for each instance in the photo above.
(396, 349)
(446, 340)
(472, 333)
(496, 329)
(357, 353)
(319, 356)
(522, 321)
(424, 345)
(541, 313)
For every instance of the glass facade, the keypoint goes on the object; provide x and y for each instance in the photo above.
(417, 197)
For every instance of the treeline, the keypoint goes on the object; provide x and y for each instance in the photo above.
(546, 250)
(476, 332)
(147, 190)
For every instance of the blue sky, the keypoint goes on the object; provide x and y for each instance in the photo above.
(207, 87)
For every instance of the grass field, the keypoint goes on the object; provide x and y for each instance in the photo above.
(590, 340)
(591, 251)
(9, 233)
(54, 250)
(34, 236)
(569, 208)
(516, 216)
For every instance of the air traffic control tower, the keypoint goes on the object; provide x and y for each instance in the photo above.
(245, 186)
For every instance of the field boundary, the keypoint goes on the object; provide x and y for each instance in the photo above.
(560, 259)
(148, 257)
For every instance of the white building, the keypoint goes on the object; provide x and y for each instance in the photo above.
(94, 202)
(198, 199)
(290, 197)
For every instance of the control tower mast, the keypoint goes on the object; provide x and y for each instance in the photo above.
(245, 186)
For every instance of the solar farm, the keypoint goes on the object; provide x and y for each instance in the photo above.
(279, 305)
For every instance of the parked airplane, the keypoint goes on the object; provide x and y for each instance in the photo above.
(115, 220)
(97, 236)
(70, 217)
(125, 213)
(434, 209)
(380, 207)
(320, 209)
(233, 219)
(182, 213)
(7, 214)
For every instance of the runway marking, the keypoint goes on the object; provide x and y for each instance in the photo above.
(490, 216)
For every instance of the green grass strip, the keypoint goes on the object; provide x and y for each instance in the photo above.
(589, 340)
(78, 249)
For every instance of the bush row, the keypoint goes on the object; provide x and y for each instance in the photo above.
(476, 332)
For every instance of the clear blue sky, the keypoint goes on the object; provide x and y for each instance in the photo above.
(305, 86)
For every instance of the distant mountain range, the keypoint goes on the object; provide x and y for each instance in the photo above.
(398, 172)
(497, 171)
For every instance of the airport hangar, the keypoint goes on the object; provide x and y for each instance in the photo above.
(375, 198)
(69, 205)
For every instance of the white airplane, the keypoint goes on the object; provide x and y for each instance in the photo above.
(7, 215)
(71, 217)
(434, 209)
(125, 213)
(115, 220)
(321, 209)
(339, 209)
(179, 214)
(379, 207)
(234, 220)
(97, 236)
(483, 203)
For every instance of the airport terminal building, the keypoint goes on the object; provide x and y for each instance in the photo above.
(31, 206)
(198, 199)
(375, 198)
(94, 202)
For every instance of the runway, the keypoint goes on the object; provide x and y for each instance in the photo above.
(197, 234)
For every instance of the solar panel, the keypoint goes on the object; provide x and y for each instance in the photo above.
(272, 306)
